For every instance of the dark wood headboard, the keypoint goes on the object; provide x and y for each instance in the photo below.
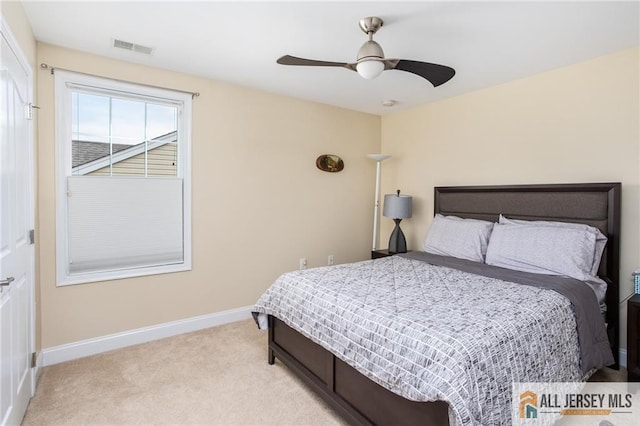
(595, 204)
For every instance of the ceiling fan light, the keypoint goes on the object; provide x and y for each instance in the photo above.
(370, 69)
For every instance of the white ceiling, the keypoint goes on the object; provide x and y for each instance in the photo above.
(487, 43)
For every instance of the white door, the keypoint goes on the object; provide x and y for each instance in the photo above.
(16, 220)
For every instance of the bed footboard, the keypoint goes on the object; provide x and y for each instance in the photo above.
(358, 399)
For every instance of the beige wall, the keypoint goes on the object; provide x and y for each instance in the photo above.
(259, 203)
(16, 19)
(575, 124)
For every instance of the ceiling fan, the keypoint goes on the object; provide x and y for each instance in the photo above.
(371, 61)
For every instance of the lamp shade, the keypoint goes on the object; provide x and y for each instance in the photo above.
(397, 206)
(378, 157)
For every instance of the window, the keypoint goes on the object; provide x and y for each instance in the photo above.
(123, 179)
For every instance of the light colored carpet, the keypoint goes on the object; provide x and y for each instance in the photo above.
(217, 376)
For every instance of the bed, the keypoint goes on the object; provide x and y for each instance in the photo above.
(365, 387)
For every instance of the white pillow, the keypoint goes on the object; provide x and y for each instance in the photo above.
(543, 250)
(601, 240)
(457, 237)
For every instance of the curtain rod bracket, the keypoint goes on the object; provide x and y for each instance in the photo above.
(45, 66)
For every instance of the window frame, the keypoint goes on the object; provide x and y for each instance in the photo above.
(65, 83)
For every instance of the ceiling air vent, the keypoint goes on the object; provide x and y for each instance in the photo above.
(132, 46)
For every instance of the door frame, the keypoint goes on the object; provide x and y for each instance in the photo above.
(5, 31)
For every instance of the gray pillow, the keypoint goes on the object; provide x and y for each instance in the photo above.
(543, 249)
(601, 240)
(457, 237)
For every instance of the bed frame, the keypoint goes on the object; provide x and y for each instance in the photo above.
(360, 400)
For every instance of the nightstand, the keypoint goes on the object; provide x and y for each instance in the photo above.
(633, 338)
(375, 254)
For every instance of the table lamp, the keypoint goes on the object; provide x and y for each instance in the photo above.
(397, 207)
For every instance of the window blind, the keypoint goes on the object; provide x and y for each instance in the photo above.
(124, 222)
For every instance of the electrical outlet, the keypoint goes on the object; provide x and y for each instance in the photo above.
(330, 260)
(303, 263)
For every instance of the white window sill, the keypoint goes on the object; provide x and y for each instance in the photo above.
(122, 274)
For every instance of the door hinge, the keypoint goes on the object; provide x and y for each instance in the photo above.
(33, 360)
(32, 236)
(29, 110)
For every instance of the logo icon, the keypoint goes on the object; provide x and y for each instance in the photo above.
(528, 405)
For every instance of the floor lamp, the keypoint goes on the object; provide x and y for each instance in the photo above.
(379, 158)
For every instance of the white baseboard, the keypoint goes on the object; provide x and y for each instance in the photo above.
(83, 348)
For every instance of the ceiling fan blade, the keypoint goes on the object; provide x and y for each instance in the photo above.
(434, 73)
(293, 60)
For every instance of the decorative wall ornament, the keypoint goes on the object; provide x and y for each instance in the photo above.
(330, 163)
